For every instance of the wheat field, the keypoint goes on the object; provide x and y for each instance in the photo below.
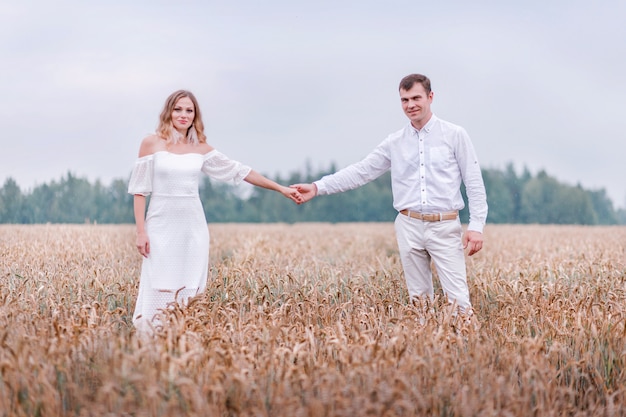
(314, 320)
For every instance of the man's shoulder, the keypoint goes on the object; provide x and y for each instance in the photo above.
(399, 133)
(451, 129)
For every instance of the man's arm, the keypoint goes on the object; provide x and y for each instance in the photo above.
(353, 176)
(476, 194)
(473, 180)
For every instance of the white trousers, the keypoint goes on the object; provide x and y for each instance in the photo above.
(420, 242)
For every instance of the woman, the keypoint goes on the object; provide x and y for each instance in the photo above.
(173, 237)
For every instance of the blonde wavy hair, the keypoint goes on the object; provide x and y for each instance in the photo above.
(195, 133)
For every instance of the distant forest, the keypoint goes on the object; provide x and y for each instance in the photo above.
(512, 198)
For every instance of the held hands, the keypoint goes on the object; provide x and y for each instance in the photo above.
(307, 191)
(143, 244)
(472, 240)
(259, 180)
(292, 194)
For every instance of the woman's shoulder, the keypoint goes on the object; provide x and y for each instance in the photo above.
(151, 144)
(205, 149)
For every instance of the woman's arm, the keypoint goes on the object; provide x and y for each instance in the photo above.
(259, 180)
(143, 243)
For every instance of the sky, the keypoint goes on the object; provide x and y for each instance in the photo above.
(286, 84)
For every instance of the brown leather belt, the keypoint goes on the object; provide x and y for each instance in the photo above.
(434, 217)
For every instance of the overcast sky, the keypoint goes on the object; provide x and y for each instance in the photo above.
(283, 83)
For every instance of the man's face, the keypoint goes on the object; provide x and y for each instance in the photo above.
(416, 105)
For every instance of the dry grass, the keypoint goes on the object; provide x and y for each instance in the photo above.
(312, 320)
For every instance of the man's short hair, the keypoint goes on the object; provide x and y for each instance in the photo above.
(407, 82)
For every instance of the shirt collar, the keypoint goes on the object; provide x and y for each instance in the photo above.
(427, 127)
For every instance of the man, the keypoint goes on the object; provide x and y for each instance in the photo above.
(428, 160)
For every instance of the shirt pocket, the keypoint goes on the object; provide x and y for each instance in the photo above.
(440, 156)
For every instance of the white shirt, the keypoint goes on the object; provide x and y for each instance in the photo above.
(427, 167)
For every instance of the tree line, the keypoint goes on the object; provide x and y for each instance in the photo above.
(512, 198)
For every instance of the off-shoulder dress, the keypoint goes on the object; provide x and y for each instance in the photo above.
(177, 266)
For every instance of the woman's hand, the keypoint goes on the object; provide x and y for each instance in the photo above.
(292, 194)
(143, 244)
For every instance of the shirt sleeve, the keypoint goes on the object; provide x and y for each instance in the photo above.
(474, 185)
(141, 177)
(218, 166)
(360, 173)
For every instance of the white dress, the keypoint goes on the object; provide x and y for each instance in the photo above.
(178, 263)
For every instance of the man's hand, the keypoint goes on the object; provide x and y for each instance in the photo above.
(308, 191)
(472, 240)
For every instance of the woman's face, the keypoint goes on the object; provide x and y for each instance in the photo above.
(183, 114)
